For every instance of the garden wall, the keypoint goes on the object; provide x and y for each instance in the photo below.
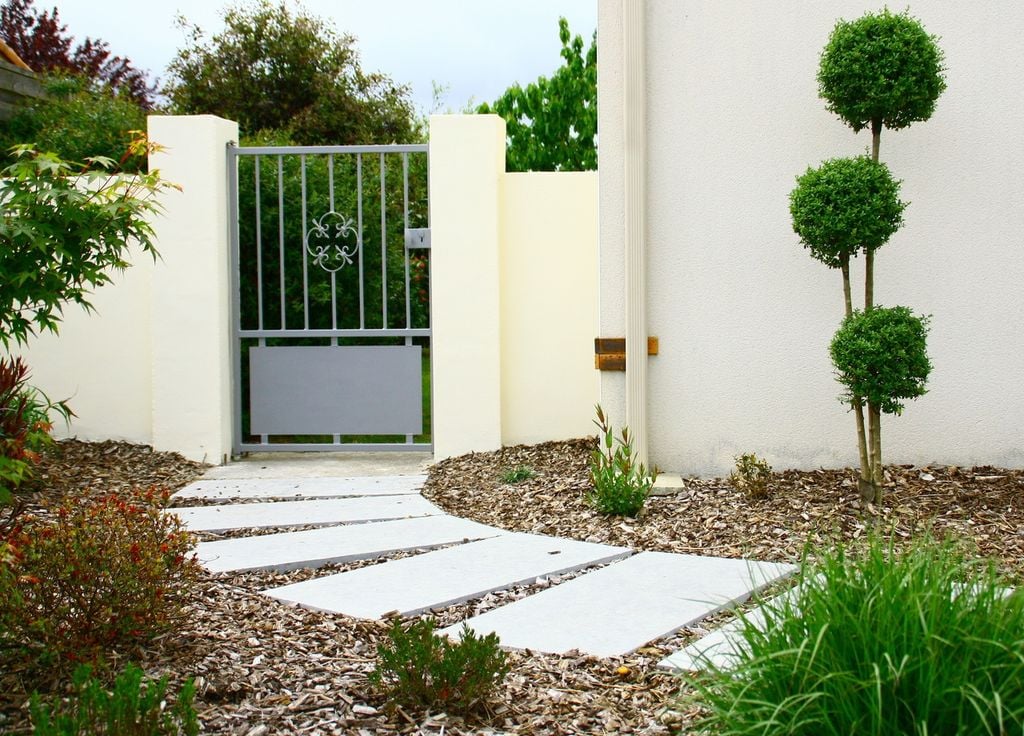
(514, 291)
(151, 364)
(743, 314)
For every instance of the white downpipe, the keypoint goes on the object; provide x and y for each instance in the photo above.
(634, 52)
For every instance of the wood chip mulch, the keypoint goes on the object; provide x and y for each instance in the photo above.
(266, 668)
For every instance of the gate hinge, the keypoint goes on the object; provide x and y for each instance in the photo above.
(417, 237)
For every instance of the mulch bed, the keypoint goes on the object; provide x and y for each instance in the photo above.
(265, 668)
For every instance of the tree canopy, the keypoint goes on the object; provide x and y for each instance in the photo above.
(551, 124)
(881, 69)
(43, 43)
(274, 69)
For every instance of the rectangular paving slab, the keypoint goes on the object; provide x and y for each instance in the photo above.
(443, 577)
(623, 606)
(295, 513)
(316, 547)
(382, 485)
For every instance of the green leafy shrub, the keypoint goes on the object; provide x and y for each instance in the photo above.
(416, 667)
(79, 119)
(752, 476)
(109, 572)
(621, 484)
(517, 474)
(96, 212)
(920, 642)
(844, 206)
(135, 707)
(881, 355)
(881, 69)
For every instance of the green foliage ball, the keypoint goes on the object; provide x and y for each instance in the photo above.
(844, 206)
(882, 67)
(881, 355)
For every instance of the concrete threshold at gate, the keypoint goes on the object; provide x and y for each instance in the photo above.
(317, 547)
(615, 610)
(297, 513)
(445, 577)
(382, 485)
(290, 465)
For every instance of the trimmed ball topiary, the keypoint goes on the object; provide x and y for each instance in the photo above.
(881, 69)
(881, 356)
(844, 206)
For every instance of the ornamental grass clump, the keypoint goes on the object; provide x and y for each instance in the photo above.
(876, 641)
(418, 668)
(135, 707)
(103, 574)
(621, 483)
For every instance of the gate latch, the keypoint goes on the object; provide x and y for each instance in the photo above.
(417, 237)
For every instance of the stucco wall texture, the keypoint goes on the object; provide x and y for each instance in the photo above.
(743, 313)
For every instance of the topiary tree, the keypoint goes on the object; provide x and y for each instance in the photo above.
(882, 70)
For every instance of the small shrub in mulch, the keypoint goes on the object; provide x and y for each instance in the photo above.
(102, 573)
(418, 668)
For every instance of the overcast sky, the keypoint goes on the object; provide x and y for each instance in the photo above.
(475, 47)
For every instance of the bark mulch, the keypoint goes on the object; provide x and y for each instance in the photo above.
(265, 668)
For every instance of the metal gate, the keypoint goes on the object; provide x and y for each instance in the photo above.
(331, 312)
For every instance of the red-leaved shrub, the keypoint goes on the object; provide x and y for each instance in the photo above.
(103, 573)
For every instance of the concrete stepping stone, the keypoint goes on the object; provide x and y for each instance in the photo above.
(383, 485)
(719, 648)
(295, 513)
(317, 547)
(444, 577)
(617, 609)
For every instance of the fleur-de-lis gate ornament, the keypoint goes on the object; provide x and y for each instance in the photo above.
(333, 241)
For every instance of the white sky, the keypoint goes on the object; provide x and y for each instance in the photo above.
(475, 47)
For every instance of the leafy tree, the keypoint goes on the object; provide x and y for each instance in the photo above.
(880, 70)
(78, 119)
(551, 125)
(43, 43)
(272, 69)
(63, 228)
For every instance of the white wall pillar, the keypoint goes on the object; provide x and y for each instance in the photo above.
(635, 128)
(467, 163)
(191, 289)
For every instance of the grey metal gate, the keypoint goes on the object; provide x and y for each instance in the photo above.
(331, 310)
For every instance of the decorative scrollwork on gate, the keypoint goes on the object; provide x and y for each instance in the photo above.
(333, 241)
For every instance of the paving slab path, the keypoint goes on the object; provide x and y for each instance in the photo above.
(376, 503)
(621, 607)
(300, 513)
(346, 543)
(383, 485)
(416, 584)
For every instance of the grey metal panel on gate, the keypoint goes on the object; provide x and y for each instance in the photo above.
(336, 390)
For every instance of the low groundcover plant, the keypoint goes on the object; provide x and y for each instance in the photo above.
(419, 668)
(875, 641)
(621, 483)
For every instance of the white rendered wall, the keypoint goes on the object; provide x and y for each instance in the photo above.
(151, 364)
(743, 314)
(100, 361)
(191, 336)
(548, 306)
(467, 161)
